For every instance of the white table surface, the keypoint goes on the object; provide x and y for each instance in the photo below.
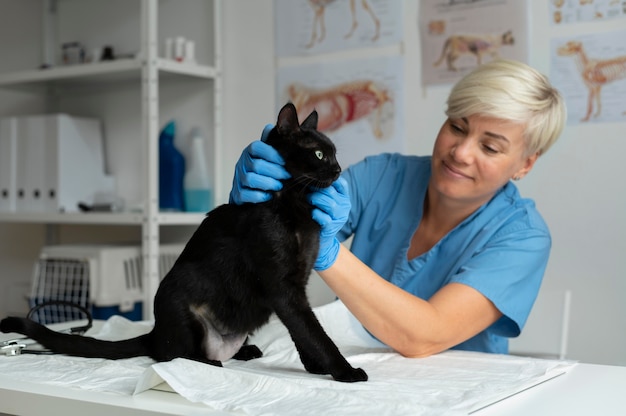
(585, 390)
(23, 398)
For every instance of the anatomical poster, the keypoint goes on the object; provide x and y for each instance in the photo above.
(359, 103)
(308, 27)
(457, 36)
(590, 73)
(575, 11)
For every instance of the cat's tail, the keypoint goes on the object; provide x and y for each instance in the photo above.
(77, 345)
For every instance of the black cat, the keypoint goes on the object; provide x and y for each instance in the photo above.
(243, 263)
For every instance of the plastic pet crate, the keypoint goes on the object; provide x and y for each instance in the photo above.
(104, 279)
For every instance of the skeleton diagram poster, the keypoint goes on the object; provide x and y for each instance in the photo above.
(590, 73)
(307, 27)
(358, 101)
(457, 36)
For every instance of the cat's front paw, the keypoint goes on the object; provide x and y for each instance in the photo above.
(350, 375)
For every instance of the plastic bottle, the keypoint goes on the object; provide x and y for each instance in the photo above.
(198, 195)
(171, 171)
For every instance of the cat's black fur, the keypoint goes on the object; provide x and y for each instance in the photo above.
(243, 263)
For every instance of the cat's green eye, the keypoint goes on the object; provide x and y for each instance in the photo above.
(319, 154)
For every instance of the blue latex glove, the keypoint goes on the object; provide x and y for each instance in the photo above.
(258, 171)
(331, 211)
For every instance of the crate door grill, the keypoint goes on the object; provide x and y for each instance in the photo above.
(59, 279)
(92, 277)
(133, 270)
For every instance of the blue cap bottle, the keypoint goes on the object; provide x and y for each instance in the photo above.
(171, 171)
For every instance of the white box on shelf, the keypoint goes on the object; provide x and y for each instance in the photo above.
(8, 149)
(60, 162)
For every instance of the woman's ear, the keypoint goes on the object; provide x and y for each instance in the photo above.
(529, 162)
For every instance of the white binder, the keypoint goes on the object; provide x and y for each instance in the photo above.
(31, 160)
(75, 164)
(8, 153)
(59, 163)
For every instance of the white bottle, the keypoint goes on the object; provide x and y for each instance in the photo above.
(179, 49)
(197, 182)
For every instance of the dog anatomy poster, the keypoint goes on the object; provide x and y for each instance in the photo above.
(359, 103)
(590, 72)
(307, 27)
(457, 36)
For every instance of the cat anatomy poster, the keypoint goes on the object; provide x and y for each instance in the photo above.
(359, 103)
(308, 27)
(590, 72)
(457, 36)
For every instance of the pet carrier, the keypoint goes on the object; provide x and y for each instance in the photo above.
(104, 279)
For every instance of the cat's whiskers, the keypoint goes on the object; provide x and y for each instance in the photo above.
(301, 181)
(304, 182)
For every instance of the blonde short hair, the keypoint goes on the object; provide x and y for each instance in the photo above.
(513, 91)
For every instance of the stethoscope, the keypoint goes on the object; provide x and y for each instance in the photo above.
(20, 346)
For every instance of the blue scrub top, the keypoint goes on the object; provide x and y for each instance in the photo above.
(501, 250)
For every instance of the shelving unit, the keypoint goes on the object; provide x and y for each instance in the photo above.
(148, 73)
(111, 71)
(123, 218)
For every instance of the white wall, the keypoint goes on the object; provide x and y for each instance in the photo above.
(578, 185)
(248, 81)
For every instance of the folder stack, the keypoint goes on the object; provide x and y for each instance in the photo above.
(8, 155)
(50, 163)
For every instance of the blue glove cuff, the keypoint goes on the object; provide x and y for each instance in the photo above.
(327, 255)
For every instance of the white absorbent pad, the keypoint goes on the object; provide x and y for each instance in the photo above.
(453, 382)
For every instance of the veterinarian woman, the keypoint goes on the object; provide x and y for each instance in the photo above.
(445, 251)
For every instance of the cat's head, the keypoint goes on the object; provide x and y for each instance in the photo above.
(309, 154)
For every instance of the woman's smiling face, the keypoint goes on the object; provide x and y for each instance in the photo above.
(475, 156)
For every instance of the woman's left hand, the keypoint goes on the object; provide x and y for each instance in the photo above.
(332, 208)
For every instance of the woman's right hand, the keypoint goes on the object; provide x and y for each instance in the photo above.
(258, 172)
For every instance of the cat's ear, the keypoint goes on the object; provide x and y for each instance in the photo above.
(287, 119)
(310, 122)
